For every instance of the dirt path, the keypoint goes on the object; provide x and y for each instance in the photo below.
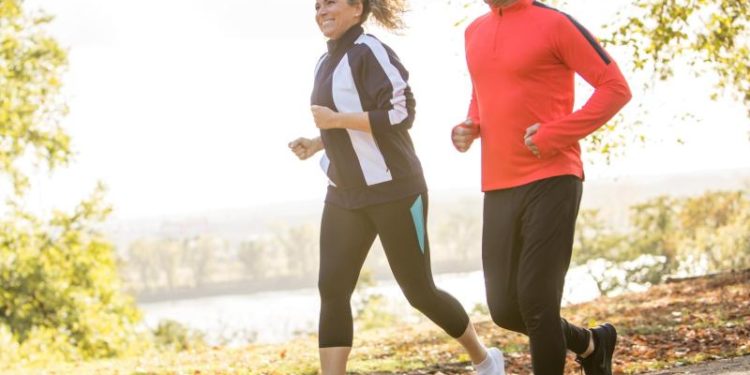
(733, 366)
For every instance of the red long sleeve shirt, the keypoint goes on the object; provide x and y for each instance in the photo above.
(522, 60)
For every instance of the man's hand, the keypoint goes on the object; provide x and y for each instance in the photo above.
(325, 118)
(304, 147)
(529, 141)
(464, 134)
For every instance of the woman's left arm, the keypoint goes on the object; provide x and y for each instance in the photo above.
(326, 118)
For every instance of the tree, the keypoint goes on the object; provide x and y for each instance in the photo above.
(714, 229)
(695, 235)
(255, 256)
(31, 63)
(600, 249)
(60, 296)
(299, 244)
(200, 256)
(60, 285)
(143, 261)
(708, 34)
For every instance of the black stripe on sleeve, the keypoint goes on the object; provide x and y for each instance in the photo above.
(599, 50)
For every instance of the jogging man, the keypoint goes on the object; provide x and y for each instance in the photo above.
(522, 57)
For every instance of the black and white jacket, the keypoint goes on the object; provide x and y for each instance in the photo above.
(361, 74)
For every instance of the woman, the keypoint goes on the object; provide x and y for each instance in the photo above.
(363, 106)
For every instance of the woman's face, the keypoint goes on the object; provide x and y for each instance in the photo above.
(334, 17)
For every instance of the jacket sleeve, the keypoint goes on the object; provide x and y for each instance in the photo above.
(582, 53)
(473, 104)
(474, 108)
(385, 80)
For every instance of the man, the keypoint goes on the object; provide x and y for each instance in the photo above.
(522, 57)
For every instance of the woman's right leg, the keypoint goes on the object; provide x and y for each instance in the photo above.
(345, 238)
(402, 227)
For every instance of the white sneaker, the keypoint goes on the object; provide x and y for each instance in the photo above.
(494, 364)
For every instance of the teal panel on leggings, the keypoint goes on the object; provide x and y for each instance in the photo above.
(417, 214)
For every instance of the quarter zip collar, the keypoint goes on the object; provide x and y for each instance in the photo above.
(346, 40)
(515, 7)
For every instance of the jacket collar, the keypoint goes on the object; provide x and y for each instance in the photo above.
(346, 40)
(516, 6)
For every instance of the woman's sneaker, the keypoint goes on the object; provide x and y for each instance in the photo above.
(600, 361)
(494, 364)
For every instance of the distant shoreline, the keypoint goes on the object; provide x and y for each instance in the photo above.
(245, 287)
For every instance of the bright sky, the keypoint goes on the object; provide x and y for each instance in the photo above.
(183, 106)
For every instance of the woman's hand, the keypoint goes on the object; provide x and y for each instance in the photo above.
(305, 147)
(325, 118)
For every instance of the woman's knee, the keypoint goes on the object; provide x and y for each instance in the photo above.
(421, 300)
(332, 289)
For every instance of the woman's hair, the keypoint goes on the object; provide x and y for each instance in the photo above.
(387, 13)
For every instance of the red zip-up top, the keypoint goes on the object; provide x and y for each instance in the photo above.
(522, 60)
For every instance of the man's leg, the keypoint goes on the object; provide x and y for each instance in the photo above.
(501, 248)
(345, 238)
(550, 208)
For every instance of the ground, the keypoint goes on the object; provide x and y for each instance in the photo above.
(675, 324)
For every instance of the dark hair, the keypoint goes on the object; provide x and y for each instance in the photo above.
(387, 13)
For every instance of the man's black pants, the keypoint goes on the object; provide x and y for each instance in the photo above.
(526, 248)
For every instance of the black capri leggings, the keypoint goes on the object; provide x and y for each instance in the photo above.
(345, 238)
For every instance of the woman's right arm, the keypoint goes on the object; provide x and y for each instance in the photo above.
(304, 148)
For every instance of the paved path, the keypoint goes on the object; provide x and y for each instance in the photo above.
(734, 366)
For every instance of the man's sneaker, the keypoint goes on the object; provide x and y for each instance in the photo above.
(600, 361)
(494, 364)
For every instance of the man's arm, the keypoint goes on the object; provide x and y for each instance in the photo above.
(580, 51)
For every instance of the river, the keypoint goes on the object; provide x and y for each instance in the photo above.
(278, 316)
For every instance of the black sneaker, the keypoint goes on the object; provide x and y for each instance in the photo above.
(600, 361)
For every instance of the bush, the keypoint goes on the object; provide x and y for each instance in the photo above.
(172, 335)
(61, 297)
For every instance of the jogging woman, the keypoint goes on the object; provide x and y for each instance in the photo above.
(364, 107)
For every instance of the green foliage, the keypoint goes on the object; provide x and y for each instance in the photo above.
(668, 236)
(173, 336)
(60, 297)
(30, 107)
(60, 287)
(710, 34)
(594, 239)
(707, 233)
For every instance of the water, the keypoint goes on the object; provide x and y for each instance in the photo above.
(279, 316)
